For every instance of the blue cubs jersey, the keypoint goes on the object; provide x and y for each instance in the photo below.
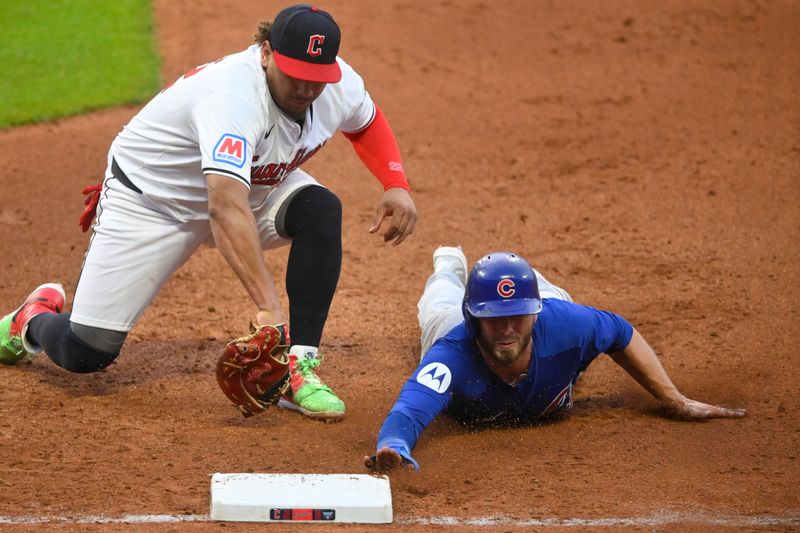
(453, 376)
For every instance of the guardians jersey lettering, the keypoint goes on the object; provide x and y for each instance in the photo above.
(567, 337)
(274, 173)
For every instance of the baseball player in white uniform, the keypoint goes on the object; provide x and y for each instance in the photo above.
(214, 158)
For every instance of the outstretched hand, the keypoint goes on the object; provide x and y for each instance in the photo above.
(397, 205)
(692, 410)
(385, 460)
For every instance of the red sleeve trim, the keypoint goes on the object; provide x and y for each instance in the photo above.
(377, 148)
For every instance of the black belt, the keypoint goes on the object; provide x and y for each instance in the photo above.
(123, 179)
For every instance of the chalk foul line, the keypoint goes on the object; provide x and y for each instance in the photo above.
(659, 519)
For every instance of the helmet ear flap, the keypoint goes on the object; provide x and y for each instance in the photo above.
(470, 321)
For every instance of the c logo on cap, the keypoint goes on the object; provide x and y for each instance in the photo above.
(315, 45)
(506, 288)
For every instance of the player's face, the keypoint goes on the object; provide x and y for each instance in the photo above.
(292, 95)
(505, 339)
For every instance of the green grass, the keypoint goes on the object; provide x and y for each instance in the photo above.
(63, 57)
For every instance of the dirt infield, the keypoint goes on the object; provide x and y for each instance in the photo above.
(643, 155)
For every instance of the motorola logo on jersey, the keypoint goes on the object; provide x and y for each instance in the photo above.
(435, 376)
(315, 45)
(231, 149)
(506, 288)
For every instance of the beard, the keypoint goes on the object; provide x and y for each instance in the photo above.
(505, 354)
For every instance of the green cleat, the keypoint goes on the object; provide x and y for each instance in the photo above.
(47, 298)
(308, 394)
(11, 350)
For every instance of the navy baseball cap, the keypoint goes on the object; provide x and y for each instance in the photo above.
(305, 42)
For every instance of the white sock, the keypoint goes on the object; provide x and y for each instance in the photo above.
(300, 351)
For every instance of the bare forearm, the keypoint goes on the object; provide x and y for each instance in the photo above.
(641, 362)
(242, 252)
(236, 237)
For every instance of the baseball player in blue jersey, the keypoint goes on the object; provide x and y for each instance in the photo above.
(505, 345)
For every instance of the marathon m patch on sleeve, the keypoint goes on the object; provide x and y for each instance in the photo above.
(231, 149)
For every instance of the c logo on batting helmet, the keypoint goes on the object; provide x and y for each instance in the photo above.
(506, 288)
(315, 45)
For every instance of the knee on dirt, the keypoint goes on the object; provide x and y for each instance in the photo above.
(89, 349)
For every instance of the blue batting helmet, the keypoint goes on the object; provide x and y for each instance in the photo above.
(500, 284)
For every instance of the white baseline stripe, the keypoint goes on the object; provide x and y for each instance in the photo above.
(660, 519)
(488, 521)
(99, 519)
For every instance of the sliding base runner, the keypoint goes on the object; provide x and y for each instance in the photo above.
(350, 498)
